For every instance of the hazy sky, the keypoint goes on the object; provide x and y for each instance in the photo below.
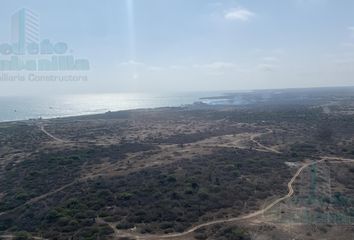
(191, 45)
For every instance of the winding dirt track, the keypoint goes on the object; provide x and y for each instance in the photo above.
(251, 215)
(269, 149)
(220, 221)
(51, 135)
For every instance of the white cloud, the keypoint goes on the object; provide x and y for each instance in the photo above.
(240, 14)
(217, 65)
(267, 67)
(140, 66)
(269, 64)
(132, 63)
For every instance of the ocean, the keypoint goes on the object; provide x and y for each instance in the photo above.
(30, 107)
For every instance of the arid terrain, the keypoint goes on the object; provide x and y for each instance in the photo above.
(269, 169)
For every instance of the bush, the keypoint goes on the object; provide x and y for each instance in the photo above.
(124, 225)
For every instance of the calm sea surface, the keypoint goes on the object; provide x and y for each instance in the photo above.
(22, 108)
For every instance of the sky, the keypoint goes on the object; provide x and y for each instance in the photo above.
(191, 45)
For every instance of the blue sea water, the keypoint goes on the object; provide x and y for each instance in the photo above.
(29, 107)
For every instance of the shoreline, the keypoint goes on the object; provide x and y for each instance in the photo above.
(90, 115)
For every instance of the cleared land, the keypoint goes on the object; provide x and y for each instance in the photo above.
(195, 172)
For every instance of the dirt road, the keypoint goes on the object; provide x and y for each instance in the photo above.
(254, 214)
(51, 135)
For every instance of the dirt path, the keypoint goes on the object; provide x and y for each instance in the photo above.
(220, 221)
(101, 172)
(254, 214)
(41, 197)
(270, 149)
(111, 225)
(51, 135)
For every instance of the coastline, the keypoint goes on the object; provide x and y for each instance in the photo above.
(19, 108)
